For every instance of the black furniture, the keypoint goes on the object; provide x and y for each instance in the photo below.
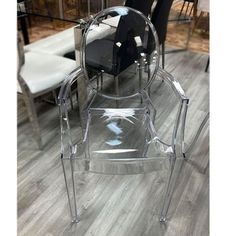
(21, 17)
(186, 10)
(143, 6)
(160, 19)
(207, 65)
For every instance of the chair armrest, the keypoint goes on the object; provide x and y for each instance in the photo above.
(66, 85)
(175, 85)
(67, 147)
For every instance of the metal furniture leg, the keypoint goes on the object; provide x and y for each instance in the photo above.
(116, 78)
(163, 54)
(180, 13)
(30, 107)
(207, 65)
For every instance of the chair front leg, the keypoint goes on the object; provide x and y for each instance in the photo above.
(69, 176)
(175, 169)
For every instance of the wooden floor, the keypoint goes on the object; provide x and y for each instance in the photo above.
(116, 205)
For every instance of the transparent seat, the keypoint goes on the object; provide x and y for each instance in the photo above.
(120, 129)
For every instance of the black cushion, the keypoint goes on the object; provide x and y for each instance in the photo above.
(99, 54)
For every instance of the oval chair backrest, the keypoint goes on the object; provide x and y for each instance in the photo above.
(131, 38)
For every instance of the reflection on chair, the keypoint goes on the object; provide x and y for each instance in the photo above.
(122, 140)
(38, 74)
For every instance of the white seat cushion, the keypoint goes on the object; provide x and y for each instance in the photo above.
(99, 32)
(112, 21)
(57, 44)
(63, 42)
(42, 71)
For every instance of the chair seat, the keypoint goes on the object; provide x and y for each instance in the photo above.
(99, 54)
(63, 42)
(112, 21)
(57, 44)
(42, 71)
(99, 32)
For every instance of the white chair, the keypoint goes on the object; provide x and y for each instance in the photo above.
(39, 73)
(57, 44)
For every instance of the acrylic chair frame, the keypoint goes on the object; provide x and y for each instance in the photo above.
(68, 149)
(68, 152)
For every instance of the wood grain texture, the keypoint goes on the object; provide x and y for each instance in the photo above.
(113, 205)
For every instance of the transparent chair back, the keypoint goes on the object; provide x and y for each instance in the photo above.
(119, 123)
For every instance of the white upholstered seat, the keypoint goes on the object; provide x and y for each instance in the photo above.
(42, 71)
(112, 21)
(63, 42)
(57, 44)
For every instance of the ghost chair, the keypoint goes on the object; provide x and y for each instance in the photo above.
(121, 140)
(38, 74)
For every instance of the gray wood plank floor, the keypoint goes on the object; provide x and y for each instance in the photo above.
(112, 205)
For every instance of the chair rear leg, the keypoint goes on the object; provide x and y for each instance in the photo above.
(102, 72)
(207, 65)
(181, 9)
(116, 78)
(163, 54)
(186, 11)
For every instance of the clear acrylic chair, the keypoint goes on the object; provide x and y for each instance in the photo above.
(124, 139)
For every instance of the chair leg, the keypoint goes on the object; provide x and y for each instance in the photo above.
(54, 94)
(186, 11)
(198, 20)
(191, 10)
(163, 54)
(30, 107)
(181, 9)
(71, 100)
(207, 65)
(176, 165)
(102, 72)
(117, 89)
(68, 172)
